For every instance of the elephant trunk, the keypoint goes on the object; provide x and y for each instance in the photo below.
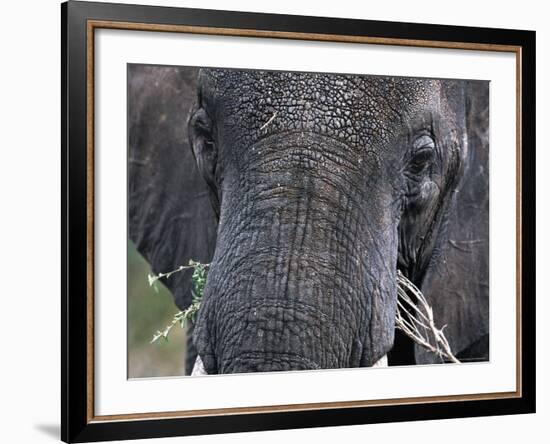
(299, 279)
(282, 313)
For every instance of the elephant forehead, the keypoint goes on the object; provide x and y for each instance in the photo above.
(357, 109)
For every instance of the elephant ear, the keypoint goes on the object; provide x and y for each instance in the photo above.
(457, 284)
(170, 215)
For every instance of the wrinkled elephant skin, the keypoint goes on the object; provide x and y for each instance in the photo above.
(319, 187)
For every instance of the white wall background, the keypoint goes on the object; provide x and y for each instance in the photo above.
(30, 219)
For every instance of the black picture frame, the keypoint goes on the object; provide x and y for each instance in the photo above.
(77, 424)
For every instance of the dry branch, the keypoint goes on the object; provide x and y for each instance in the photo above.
(414, 317)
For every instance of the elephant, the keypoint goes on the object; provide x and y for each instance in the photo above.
(307, 192)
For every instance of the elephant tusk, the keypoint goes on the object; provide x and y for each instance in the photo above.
(198, 368)
(382, 362)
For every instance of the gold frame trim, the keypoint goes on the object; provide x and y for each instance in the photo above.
(96, 24)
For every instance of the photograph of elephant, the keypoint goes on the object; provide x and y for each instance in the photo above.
(283, 221)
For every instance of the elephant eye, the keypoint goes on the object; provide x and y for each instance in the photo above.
(423, 154)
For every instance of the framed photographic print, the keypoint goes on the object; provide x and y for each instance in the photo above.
(276, 221)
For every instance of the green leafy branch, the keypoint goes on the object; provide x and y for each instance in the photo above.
(198, 280)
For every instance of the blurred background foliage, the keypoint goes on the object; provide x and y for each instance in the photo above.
(151, 309)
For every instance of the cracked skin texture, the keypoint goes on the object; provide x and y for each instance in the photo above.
(324, 185)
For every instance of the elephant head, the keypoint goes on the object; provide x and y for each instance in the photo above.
(320, 187)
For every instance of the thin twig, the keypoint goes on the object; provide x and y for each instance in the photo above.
(264, 126)
(152, 278)
(180, 317)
